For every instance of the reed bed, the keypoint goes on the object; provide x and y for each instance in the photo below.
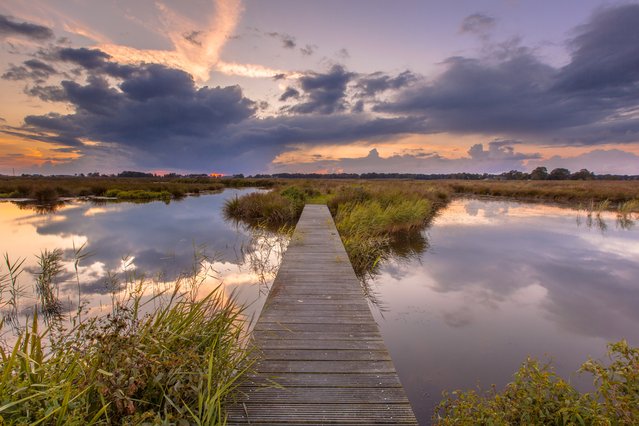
(573, 192)
(46, 190)
(160, 358)
(371, 216)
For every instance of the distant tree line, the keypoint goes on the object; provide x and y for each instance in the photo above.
(540, 173)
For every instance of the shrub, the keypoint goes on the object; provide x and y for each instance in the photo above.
(538, 396)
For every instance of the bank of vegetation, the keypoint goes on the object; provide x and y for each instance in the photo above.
(537, 396)
(373, 218)
(162, 357)
(47, 190)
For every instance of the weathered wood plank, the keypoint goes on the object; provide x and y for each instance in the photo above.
(327, 395)
(323, 354)
(334, 380)
(320, 357)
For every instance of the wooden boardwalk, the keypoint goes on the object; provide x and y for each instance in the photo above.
(321, 358)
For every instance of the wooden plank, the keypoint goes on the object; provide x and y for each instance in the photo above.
(334, 380)
(320, 357)
(268, 353)
(323, 413)
(328, 395)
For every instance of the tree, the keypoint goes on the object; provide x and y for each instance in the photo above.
(540, 173)
(583, 174)
(559, 174)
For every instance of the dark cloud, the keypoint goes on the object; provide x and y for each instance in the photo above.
(93, 60)
(33, 69)
(477, 23)
(157, 117)
(288, 42)
(372, 84)
(290, 92)
(10, 27)
(513, 93)
(156, 109)
(605, 52)
(47, 93)
(358, 107)
(325, 93)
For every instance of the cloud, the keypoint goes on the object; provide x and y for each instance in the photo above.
(513, 93)
(32, 69)
(158, 117)
(499, 149)
(377, 82)
(10, 27)
(290, 92)
(196, 47)
(605, 53)
(499, 157)
(288, 41)
(478, 24)
(308, 50)
(325, 93)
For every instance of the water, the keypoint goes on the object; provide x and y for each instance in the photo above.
(154, 239)
(501, 281)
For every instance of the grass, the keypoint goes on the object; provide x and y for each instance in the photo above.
(47, 190)
(538, 396)
(371, 217)
(165, 358)
(573, 192)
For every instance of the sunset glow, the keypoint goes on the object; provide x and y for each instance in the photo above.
(250, 87)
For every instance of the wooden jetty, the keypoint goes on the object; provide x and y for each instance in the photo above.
(321, 358)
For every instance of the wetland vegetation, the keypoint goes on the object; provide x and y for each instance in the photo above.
(160, 357)
(113, 369)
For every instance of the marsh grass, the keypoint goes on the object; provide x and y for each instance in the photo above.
(48, 190)
(371, 217)
(161, 357)
(570, 192)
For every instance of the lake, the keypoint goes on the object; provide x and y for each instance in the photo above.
(502, 280)
(498, 280)
(156, 239)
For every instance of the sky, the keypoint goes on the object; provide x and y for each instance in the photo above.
(254, 86)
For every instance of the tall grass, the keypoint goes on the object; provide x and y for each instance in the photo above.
(161, 358)
(371, 217)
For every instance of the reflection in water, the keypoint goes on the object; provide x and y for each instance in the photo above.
(153, 243)
(503, 280)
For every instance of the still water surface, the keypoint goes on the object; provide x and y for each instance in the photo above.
(154, 239)
(500, 280)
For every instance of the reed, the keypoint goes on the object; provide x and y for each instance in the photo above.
(370, 216)
(161, 358)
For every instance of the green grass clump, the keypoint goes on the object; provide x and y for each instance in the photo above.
(369, 222)
(538, 396)
(166, 358)
(271, 209)
(138, 194)
(371, 217)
